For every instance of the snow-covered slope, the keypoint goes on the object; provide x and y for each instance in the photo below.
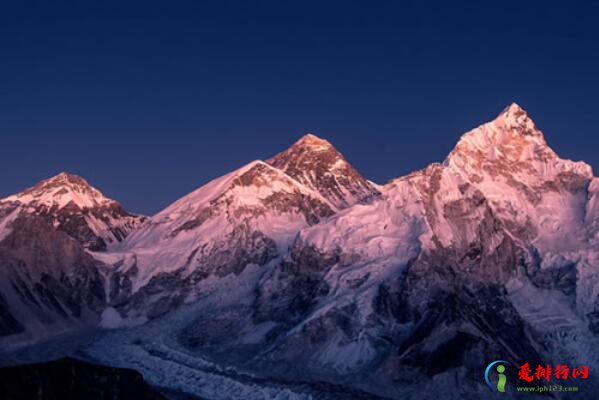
(247, 217)
(254, 193)
(71, 204)
(315, 163)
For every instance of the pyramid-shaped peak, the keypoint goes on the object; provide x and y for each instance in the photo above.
(67, 181)
(315, 163)
(306, 154)
(64, 175)
(512, 127)
(515, 117)
(313, 141)
(66, 178)
(514, 108)
(61, 190)
(511, 137)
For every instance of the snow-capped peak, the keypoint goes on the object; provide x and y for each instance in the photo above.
(515, 117)
(512, 131)
(313, 142)
(69, 203)
(514, 109)
(510, 144)
(61, 190)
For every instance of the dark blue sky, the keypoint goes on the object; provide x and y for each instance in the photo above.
(149, 100)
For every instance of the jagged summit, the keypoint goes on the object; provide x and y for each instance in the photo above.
(68, 177)
(62, 190)
(510, 153)
(316, 163)
(511, 137)
(69, 203)
(513, 108)
(313, 142)
(516, 118)
(65, 178)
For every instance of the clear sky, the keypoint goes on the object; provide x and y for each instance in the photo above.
(150, 99)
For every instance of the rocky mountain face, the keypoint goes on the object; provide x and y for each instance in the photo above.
(72, 205)
(49, 282)
(299, 269)
(315, 163)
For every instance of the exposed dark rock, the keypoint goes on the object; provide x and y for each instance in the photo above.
(312, 209)
(573, 182)
(243, 246)
(562, 278)
(295, 286)
(161, 294)
(8, 324)
(315, 163)
(202, 216)
(49, 271)
(594, 322)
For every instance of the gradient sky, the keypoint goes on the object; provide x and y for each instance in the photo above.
(149, 100)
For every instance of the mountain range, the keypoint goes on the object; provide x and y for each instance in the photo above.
(296, 277)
